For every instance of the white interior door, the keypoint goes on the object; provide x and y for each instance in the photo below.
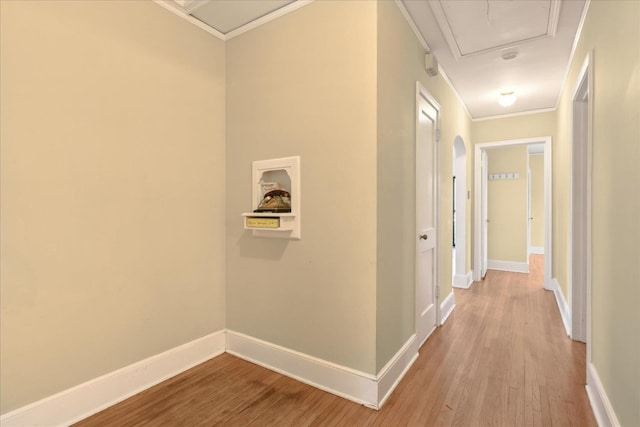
(485, 212)
(426, 215)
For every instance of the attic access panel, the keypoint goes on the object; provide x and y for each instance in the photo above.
(471, 26)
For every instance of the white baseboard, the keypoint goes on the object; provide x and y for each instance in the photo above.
(446, 307)
(360, 387)
(600, 404)
(81, 401)
(84, 400)
(349, 383)
(536, 250)
(392, 373)
(565, 311)
(463, 281)
(513, 266)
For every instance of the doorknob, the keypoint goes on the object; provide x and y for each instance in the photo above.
(423, 237)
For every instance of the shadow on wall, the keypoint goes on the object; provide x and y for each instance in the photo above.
(261, 247)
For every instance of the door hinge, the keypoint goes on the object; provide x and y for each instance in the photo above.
(438, 135)
(437, 291)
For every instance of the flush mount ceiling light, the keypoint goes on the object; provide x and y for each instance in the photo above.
(507, 98)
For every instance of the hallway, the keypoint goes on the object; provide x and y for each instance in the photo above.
(501, 359)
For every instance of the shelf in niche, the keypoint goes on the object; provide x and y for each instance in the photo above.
(285, 171)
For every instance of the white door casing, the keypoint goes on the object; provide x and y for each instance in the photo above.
(427, 305)
(460, 161)
(479, 237)
(484, 166)
(580, 208)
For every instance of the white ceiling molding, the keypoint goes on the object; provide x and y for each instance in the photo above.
(486, 36)
(176, 9)
(239, 16)
(427, 49)
(576, 39)
(412, 24)
(270, 17)
(190, 6)
(554, 17)
(485, 68)
(445, 77)
(519, 113)
(479, 51)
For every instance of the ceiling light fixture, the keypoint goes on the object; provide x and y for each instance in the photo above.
(507, 98)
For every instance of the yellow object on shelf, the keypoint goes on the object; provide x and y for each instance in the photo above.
(262, 222)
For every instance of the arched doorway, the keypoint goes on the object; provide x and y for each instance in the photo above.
(459, 242)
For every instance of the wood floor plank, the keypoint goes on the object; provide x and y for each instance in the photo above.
(502, 359)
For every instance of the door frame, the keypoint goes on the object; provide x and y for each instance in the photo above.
(422, 93)
(460, 274)
(478, 254)
(484, 211)
(580, 207)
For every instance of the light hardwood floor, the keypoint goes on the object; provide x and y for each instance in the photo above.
(502, 359)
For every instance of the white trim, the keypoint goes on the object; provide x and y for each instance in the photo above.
(576, 39)
(536, 250)
(563, 307)
(426, 47)
(554, 15)
(463, 282)
(548, 217)
(291, 7)
(392, 373)
(600, 404)
(345, 382)
(579, 258)
(413, 25)
(173, 8)
(446, 307)
(86, 399)
(520, 113)
(462, 211)
(423, 94)
(183, 12)
(445, 77)
(447, 32)
(513, 266)
(366, 389)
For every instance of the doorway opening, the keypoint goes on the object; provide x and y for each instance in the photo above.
(461, 278)
(481, 215)
(535, 199)
(580, 241)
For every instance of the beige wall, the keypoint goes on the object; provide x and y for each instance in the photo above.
(348, 292)
(112, 190)
(516, 127)
(400, 64)
(611, 32)
(113, 186)
(507, 205)
(305, 84)
(536, 166)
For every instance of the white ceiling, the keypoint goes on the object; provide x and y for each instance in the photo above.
(468, 37)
